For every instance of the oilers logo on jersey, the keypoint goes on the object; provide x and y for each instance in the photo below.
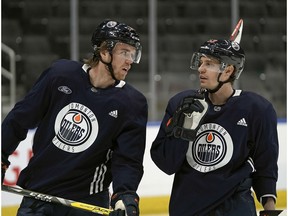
(211, 150)
(76, 128)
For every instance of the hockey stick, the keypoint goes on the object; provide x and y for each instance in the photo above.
(58, 200)
(237, 33)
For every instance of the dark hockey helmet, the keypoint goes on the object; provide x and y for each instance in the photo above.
(226, 51)
(113, 32)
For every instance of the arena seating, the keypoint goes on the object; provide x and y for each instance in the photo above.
(36, 28)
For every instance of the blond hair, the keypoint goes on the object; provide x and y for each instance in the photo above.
(95, 58)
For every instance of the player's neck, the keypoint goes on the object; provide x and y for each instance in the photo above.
(100, 77)
(222, 95)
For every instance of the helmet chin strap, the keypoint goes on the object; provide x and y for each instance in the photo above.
(110, 68)
(220, 84)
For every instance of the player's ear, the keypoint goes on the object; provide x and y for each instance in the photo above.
(105, 55)
(229, 70)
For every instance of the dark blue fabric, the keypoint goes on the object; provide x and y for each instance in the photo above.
(239, 204)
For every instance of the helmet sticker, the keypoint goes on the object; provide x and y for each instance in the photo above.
(235, 46)
(111, 24)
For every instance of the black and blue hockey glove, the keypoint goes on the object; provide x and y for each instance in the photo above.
(188, 117)
(127, 202)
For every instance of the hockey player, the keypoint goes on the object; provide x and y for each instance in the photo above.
(218, 141)
(91, 129)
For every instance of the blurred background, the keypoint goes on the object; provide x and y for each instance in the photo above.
(39, 32)
(35, 33)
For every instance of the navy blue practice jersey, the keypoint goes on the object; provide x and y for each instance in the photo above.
(209, 169)
(85, 137)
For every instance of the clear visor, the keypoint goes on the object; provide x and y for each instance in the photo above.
(210, 63)
(128, 52)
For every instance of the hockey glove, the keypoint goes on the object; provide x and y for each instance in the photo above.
(188, 117)
(4, 166)
(270, 212)
(127, 201)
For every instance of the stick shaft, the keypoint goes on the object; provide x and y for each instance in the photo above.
(58, 200)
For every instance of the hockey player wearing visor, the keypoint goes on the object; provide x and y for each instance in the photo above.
(90, 129)
(223, 57)
(220, 142)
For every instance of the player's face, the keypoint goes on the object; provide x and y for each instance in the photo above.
(209, 69)
(123, 57)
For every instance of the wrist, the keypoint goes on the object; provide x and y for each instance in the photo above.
(268, 203)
